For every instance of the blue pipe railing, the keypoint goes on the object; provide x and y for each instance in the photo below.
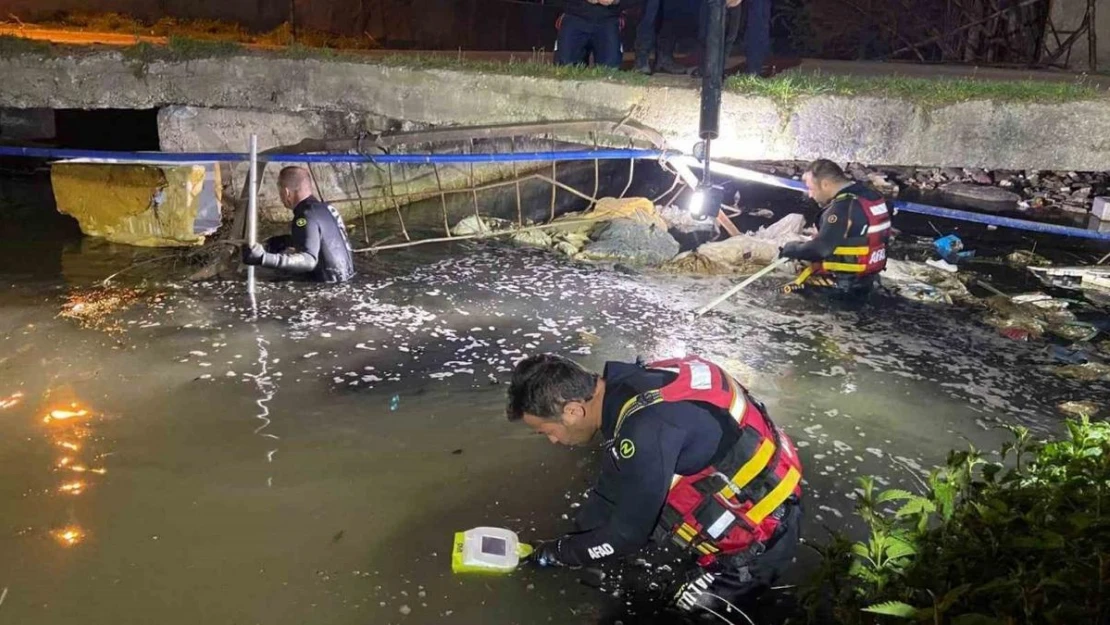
(384, 159)
(572, 155)
(937, 211)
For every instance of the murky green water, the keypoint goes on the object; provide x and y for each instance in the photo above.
(312, 467)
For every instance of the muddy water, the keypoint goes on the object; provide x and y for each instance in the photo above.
(312, 466)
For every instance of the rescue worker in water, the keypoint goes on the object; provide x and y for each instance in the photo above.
(849, 250)
(318, 242)
(689, 457)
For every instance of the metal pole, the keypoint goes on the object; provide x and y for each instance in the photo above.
(712, 81)
(740, 287)
(252, 214)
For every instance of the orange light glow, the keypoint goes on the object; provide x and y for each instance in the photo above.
(99, 471)
(65, 461)
(72, 488)
(62, 415)
(69, 536)
(77, 468)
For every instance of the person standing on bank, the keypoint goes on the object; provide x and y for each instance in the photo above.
(590, 26)
(317, 244)
(690, 457)
(757, 31)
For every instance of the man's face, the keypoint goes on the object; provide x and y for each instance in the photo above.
(286, 197)
(571, 428)
(819, 190)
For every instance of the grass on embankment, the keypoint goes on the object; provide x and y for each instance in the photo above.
(786, 89)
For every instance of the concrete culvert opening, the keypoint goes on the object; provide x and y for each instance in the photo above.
(38, 240)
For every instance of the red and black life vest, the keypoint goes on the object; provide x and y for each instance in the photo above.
(734, 504)
(863, 251)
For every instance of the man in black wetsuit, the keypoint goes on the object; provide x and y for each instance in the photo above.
(690, 457)
(318, 242)
(849, 250)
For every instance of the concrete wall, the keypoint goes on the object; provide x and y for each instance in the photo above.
(1067, 15)
(1072, 136)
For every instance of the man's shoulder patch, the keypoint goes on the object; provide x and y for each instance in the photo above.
(831, 219)
(626, 448)
(301, 222)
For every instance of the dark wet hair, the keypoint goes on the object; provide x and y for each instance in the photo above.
(543, 384)
(824, 169)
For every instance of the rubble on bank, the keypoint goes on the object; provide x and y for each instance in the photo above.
(1038, 194)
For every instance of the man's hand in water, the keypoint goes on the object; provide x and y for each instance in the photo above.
(253, 253)
(546, 554)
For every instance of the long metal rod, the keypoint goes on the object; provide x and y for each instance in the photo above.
(740, 287)
(252, 215)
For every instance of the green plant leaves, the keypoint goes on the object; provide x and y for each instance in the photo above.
(893, 608)
(987, 545)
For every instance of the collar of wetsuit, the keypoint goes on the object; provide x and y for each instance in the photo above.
(306, 203)
(616, 375)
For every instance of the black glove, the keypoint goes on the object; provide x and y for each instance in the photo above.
(253, 254)
(790, 250)
(546, 554)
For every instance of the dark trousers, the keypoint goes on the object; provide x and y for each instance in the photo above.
(690, 593)
(737, 584)
(578, 37)
(757, 31)
(657, 30)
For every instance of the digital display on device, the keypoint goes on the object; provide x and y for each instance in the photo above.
(494, 546)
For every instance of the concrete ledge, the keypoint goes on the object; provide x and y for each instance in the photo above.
(890, 131)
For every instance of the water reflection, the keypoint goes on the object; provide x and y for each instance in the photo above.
(10, 401)
(69, 536)
(69, 428)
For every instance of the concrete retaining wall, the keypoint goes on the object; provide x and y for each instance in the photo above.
(1071, 136)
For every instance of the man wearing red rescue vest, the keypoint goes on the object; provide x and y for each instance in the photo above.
(689, 457)
(849, 250)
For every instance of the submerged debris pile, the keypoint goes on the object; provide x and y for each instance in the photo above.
(97, 308)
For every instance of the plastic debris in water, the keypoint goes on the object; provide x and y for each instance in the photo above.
(394, 402)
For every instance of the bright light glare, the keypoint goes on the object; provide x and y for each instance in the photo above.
(69, 536)
(697, 202)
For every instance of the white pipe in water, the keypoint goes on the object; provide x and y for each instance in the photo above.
(252, 214)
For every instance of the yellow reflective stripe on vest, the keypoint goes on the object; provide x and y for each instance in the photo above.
(739, 406)
(630, 408)
(707, 549)
(751, 468)
(844, 267)
(802, 277)
(861, 250)
(686, 532)
(775, 498)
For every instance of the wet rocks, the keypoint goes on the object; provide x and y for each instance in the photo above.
(1087, 372)
(1079, 408)
(631, 242)
(1025, 258)
(980, 197)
